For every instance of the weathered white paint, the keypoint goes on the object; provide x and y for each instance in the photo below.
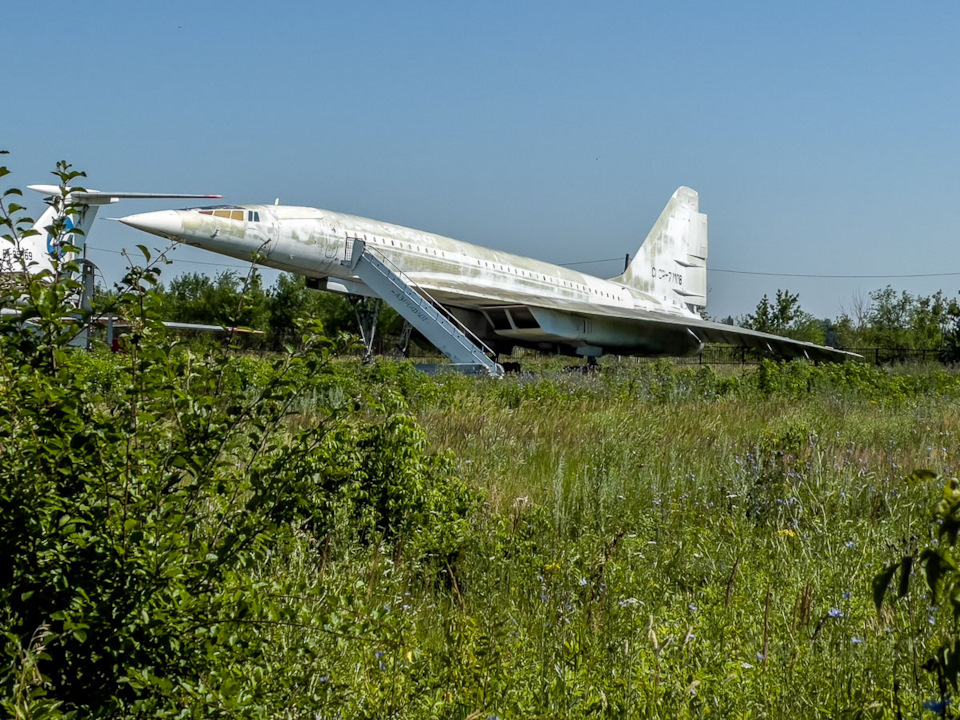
(651, 309)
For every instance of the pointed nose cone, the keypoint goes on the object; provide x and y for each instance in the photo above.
(165, 223)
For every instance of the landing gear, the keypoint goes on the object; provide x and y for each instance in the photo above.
(588, 368)
(403, 342)
(367, 311)
(591, 367)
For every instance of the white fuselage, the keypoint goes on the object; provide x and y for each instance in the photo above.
(652, 309)
(315, 243)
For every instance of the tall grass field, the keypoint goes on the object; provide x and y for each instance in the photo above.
(646, 541)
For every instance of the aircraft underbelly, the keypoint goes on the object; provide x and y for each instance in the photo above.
(617, 334)
(566, 321)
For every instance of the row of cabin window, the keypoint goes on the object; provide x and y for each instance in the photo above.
(524, 273)
(395, 243)
(252, 216)
(493, 266)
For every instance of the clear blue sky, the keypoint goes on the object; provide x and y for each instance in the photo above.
(822, 137)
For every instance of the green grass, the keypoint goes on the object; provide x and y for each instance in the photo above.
(648, 547)
(650, 541)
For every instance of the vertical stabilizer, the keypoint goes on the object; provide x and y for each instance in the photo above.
(671, 264)
(39, 248)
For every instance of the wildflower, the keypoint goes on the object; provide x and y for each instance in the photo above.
(786, 532)
(691, 607)
(583, 581)
(835, 613)
(552, 567)
(846, 595)
(404, 607)
(378, 654)
(849, 544)
(857, 640)
(761, 657)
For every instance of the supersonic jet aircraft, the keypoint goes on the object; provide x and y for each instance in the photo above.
(504, 299)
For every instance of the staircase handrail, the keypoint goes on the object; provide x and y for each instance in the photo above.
(422, 291)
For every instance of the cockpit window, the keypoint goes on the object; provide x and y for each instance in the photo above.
(228, 213)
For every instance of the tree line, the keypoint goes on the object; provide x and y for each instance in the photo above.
(233, 300)
(885, 319)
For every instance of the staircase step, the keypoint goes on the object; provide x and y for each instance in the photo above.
(401, 294)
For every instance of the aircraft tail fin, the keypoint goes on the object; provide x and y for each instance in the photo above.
(40, 247)
(671, 264)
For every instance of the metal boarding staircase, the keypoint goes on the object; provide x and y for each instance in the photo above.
(445, 332)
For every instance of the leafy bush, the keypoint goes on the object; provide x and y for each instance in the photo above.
(377, 483)
(139, 494)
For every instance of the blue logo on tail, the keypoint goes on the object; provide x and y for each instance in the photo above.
(53, 247)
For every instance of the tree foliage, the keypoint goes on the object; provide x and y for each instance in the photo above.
(136, 513)
(225, 299)
(887, 320)
(894, 320)
(784, 317)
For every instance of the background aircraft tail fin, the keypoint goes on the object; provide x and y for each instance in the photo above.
(40, 248)
(671, 264)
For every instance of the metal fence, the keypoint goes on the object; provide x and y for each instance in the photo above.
(710, 355)
(733, 355)
(730, 355)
